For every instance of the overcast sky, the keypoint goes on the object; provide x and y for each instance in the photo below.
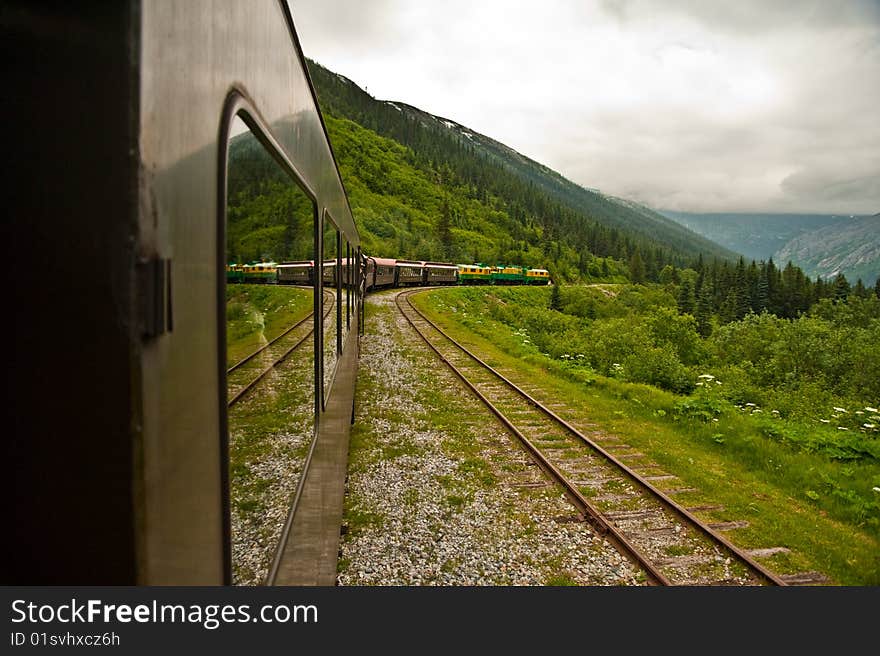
(735, 105)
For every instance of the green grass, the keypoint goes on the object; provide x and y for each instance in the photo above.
(256, 314)
(561, 580)
(819, 507)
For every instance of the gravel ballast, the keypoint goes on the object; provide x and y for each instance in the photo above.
(440, 494)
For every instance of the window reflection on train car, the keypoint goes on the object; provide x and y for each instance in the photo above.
(256, 236)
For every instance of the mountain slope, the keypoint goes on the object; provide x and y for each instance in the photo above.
(535, 198)
(608, 210)
(757, 236)
(822, 245)
(851, 247)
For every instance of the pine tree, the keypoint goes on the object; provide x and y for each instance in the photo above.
(686, 297)
(859, 290)
(741, 300)
(703, 313)
(762, 298)
(556, 298)
(753, 278)
(841, 287)
(773, 284)
(636, 268)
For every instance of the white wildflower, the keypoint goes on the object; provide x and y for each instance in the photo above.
(825, 421)
(870, 425)
(706, 376)
(842, 428)
(871, 409)
(835, 408)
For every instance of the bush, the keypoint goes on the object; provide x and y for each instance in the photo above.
(659, 367)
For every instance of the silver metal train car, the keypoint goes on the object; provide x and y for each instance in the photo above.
(119, 120)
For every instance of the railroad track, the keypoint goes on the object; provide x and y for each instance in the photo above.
(667, 541)
(244, 375)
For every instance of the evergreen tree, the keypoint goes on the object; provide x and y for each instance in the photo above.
(841, 287)
(703, 312)
(762, 297)
(636, 268)
(556, 298)
(729, 307)
(753, 277)
(741, 297)
(859, 290)
(820, 290)
(877, 287)
(773, 284)
(686, 297)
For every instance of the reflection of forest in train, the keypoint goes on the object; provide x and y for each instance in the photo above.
(269, 218)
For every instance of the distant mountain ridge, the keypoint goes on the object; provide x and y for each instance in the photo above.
(850, 247)
(821, 244)
(530, 189)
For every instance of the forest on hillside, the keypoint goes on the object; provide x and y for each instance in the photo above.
(439, 199)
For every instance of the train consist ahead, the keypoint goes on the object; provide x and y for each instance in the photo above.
(381, 272)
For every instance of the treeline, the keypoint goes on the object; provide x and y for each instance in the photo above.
(729, 292)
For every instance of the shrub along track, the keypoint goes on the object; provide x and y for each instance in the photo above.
(668, 541)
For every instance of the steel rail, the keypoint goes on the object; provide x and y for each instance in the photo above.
(755, 567)
(268, 344)
(244, 390)
(588, 511)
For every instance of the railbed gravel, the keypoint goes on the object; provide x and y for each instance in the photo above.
(432, 524)
(276, 469)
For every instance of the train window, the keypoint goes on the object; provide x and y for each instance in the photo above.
(270, 370)
(332, 301)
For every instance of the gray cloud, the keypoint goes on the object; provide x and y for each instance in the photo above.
(748, 17)
(704, 106)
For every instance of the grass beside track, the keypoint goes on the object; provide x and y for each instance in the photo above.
(270, 430)
(256, 314)
(729, 462)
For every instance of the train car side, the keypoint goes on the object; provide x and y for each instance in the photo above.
(296, 273)
(440, 273)
(128, 479)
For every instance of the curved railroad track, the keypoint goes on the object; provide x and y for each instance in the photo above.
(666, 540)
(243, 376)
